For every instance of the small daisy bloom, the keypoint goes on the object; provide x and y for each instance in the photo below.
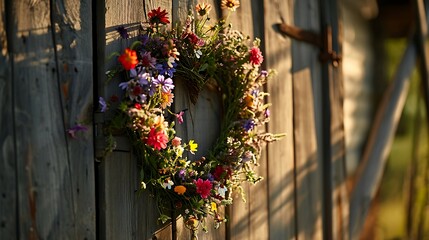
(231, 5)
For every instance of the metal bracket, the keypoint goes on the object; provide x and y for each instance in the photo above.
(100, 141)
(315, 39)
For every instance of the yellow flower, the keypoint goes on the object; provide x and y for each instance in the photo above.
(203, 8)
(180, 189)
(193, 146)
(232, 5)
(214, 207)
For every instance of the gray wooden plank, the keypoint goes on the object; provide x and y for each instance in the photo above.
(125, 211)
(75, 73)
(46, 207)
(280, 154)
(8, 194)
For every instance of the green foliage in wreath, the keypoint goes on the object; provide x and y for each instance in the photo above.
(200, 54)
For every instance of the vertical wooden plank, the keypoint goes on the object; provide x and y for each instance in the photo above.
(46, 194)
(8, 193)
(280, 154)
(307, 90)
(118, 174)
(73, 53)
(249, 220)
(340, 198)
(307, 159)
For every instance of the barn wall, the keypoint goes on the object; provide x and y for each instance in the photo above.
(358, 65)
(47, 176)
(49, 179)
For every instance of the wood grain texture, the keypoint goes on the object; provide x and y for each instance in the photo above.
(123, 213)
(280, 154)
(73, 43)
(50, 177)
(8, 192)
(307, 90)
(340, 198)
(308, 167)
(126, 212)
(249, 220)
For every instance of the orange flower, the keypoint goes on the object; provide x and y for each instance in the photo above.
(232, 5)
(249, 100)
(128, 59)
(166, 99)
(180, 189)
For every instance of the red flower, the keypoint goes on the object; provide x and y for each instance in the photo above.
(156, 16)
(137, 106)
(203, 187)
(157, 139)
(221, 172)
(128, 59)
(256, 57)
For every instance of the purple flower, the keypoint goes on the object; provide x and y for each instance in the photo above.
(267, 113)
(249, 124)
(78, 128)
(210, 177)
(166, 83)
(247, 156)
(264, 73)
(182, 173)
(164, 69)
(123, 32)
(142, 77)
(123, 85)
(103, 104)
(144, 39)
(255, 92)
(148, 60)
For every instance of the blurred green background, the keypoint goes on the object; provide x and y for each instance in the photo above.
(401, 209)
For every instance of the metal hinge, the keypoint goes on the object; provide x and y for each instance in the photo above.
(99, 138)
(324, 43)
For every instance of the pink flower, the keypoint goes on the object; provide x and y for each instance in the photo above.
(157, 139)
(176, 141)
(256, 57)
(203, 187)
(179, 117)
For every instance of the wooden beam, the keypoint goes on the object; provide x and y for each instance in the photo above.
(379, 143)
(8, 171)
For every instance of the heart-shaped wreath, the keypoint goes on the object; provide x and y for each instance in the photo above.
(198, 54)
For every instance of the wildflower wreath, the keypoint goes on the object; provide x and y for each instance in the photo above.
(199, 55)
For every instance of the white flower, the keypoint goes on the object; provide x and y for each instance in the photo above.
(167, 184)
(222, 191)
